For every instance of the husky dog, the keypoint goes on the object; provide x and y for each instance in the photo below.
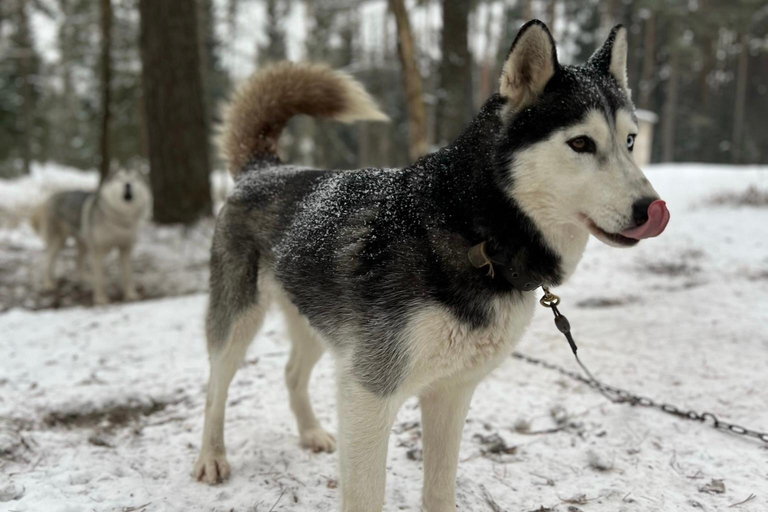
(381, 265)
(99, 221)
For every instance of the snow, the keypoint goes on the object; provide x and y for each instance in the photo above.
(101, 408)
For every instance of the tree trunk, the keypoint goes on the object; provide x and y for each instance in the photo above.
(417, 117)
(487, 83)
(551, 15)
(707, 66)
(176, 124)
(670, 106)
(27, 86)
(608, 15)
(527, 10)
(454, 98)
(106, 78)
(741, 96)
(649, 54)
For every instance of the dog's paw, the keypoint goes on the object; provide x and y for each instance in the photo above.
(318, 440)
(211, 469)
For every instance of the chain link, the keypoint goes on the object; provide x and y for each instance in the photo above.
(621, 396)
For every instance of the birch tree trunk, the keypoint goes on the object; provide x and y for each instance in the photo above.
(417, 117)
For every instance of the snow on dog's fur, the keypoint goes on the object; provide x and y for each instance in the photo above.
(373, 263)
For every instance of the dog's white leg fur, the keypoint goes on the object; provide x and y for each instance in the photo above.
(97, 267)
(443, 411)
(53, 246)
(129, 290)
(212, 466)
(306, 349)
(365, 422)
(82, 252)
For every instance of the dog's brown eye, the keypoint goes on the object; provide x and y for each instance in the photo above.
(582, 144)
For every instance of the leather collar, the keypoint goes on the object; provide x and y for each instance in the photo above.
(517, 277)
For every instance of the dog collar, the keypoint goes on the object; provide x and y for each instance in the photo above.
(520, 280)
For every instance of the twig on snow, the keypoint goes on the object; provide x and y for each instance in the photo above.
(751, 497)
(490, 501)
(282, 491)
(138, 508)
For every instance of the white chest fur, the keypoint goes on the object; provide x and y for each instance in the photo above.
(440, 346)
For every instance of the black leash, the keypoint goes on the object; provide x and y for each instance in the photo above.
(620, 396)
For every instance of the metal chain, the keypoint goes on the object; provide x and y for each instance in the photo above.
(621, 396)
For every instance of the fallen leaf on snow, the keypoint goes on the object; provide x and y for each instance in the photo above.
(714, 487)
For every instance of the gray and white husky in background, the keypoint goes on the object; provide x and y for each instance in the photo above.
(373, 263)
(98, 221)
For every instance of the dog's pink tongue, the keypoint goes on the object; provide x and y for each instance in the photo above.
(658, 217)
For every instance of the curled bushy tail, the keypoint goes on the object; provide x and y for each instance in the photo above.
(261, 107)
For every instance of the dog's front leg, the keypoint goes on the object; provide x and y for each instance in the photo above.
(82, 252)
(97, 266)
(443, 410)
(365, 422)
(129, 290)
(51, 252)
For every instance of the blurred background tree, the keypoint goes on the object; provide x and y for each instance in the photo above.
(701, 66)
(174, 110)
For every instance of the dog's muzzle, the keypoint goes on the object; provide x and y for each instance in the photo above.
(128, 194)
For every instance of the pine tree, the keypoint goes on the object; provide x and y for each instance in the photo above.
(20, 92)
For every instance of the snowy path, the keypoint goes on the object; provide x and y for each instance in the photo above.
(101, 409)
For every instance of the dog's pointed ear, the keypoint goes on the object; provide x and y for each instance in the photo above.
(611, 58)
(531, 62)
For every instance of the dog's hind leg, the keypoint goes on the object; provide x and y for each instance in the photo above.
(129, 290)
(236, 309)
(306, 349)
(82, 252)
(54, 245)
(226, 355)
(97, 267)
(443, 411)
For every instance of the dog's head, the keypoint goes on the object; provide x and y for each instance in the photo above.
(569, 132)
(126, 190)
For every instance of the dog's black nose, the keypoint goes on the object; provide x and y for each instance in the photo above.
(640, 210)
(128, 194)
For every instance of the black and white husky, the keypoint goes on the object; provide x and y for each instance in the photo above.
(376, 264)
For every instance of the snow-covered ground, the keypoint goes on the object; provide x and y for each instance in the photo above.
(101, 409)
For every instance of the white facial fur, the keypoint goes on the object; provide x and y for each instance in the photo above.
(562, 190)
(113, 192)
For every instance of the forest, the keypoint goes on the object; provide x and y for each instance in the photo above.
(72, 89)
